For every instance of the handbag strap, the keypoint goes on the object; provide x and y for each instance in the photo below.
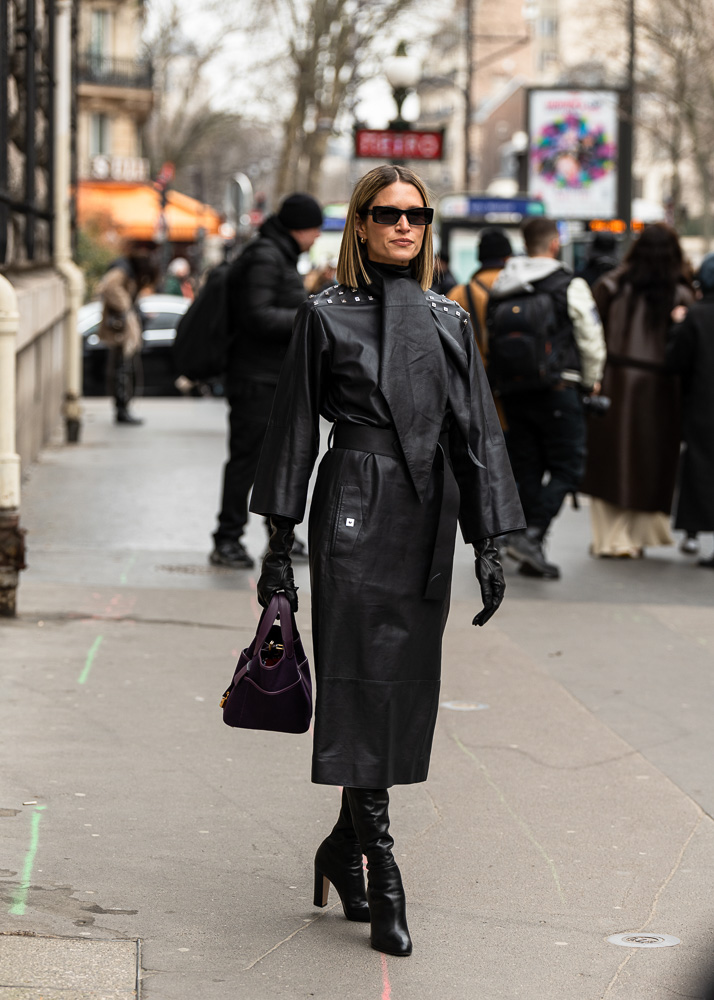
(278, 607)
(287, 620)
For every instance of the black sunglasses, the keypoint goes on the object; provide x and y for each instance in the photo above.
(388, 215)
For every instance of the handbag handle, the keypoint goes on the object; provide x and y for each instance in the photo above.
(278, 607)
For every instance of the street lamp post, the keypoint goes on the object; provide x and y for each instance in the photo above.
(403, 73)
(627, 125)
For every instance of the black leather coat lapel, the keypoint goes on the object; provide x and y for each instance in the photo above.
(460, 401)
(413, 375)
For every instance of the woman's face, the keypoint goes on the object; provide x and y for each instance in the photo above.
(400, 243)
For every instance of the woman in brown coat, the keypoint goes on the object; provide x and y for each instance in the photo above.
(633, 450)
(121, 325)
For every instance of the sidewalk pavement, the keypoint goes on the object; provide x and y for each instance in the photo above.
(569, 797)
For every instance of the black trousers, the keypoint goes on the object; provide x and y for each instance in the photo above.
(546, 442)
(121, 376)
(250, 404)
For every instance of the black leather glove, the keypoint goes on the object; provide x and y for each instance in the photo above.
(489, 574)
(277, 571)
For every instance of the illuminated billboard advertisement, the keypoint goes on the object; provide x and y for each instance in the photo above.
(572, 154)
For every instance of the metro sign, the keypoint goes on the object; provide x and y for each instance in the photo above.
(385, 144)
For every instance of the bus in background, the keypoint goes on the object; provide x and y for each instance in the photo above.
(461, 217)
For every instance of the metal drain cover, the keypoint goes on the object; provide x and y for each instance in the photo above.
(464, 706)
(633, 939)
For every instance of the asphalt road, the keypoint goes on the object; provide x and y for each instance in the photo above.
(569, 798)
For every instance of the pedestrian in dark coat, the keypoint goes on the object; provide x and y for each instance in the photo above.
(602, 257)
(264, 292)
(415, 445)
(633, 450)
(690, 353)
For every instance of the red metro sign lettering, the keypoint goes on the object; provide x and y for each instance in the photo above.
(383, 144)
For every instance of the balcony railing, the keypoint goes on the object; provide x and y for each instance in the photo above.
(110, 72)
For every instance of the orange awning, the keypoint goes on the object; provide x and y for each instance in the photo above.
(133, 211)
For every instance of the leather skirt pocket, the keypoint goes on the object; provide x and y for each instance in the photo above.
(348, 521)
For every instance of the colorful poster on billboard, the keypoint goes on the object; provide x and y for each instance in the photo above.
(572, 157)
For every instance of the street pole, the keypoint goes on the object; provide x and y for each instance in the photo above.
(468, 93)
(62, 227)
(627, 127)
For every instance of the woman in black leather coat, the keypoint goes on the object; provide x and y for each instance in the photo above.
(416, 445)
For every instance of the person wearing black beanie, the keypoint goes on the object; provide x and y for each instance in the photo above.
(264, 290)
(300, 211)
(493, 250)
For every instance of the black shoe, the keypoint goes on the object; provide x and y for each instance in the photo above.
(708, 563)
(124, 417)
(339, 861)
(385, 893)
(526, 547)
(231, 553)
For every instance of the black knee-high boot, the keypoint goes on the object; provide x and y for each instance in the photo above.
(339, 860)
(385, 894)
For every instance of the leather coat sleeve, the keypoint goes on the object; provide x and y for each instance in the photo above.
(292, 441)
(489, 499)
(255, 298)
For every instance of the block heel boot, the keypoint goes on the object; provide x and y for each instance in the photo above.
(369, 808)
(339, 861)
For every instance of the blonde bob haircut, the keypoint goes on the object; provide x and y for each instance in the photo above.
(350, 263)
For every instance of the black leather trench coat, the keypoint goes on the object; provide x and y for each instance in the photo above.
(372, 537)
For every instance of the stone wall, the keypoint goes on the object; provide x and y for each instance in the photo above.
(42, 302)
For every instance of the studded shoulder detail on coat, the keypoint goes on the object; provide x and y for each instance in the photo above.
(341, 295)
(442, 304)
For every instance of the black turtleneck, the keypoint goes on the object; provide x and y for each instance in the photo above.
(399, 270)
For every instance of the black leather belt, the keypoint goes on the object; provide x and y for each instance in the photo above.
(384, 441)
(360, 437)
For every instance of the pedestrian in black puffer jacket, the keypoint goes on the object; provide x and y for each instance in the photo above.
(264, 292)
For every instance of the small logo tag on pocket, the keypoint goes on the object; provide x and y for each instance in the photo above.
(350, 522)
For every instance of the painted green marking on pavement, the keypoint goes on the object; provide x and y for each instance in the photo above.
(125, 574)
(519, 820)
(20, 896)
(90, 660)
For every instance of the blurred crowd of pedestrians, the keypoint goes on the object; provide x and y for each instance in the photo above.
(648, 446)
(621, 411)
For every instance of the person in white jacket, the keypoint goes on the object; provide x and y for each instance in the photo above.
(546, 434)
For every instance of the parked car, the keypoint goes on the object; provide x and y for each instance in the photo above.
(156, 373)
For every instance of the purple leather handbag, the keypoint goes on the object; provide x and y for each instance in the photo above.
(271, 688)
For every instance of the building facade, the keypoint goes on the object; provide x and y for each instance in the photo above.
(114, 91)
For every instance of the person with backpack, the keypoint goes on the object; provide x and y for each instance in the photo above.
(494, 249)
(546, 350)
(263, 290)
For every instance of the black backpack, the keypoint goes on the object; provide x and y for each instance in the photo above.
(203, 335)
(522, 335)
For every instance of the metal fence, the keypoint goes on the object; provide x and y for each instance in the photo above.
(26, 130)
